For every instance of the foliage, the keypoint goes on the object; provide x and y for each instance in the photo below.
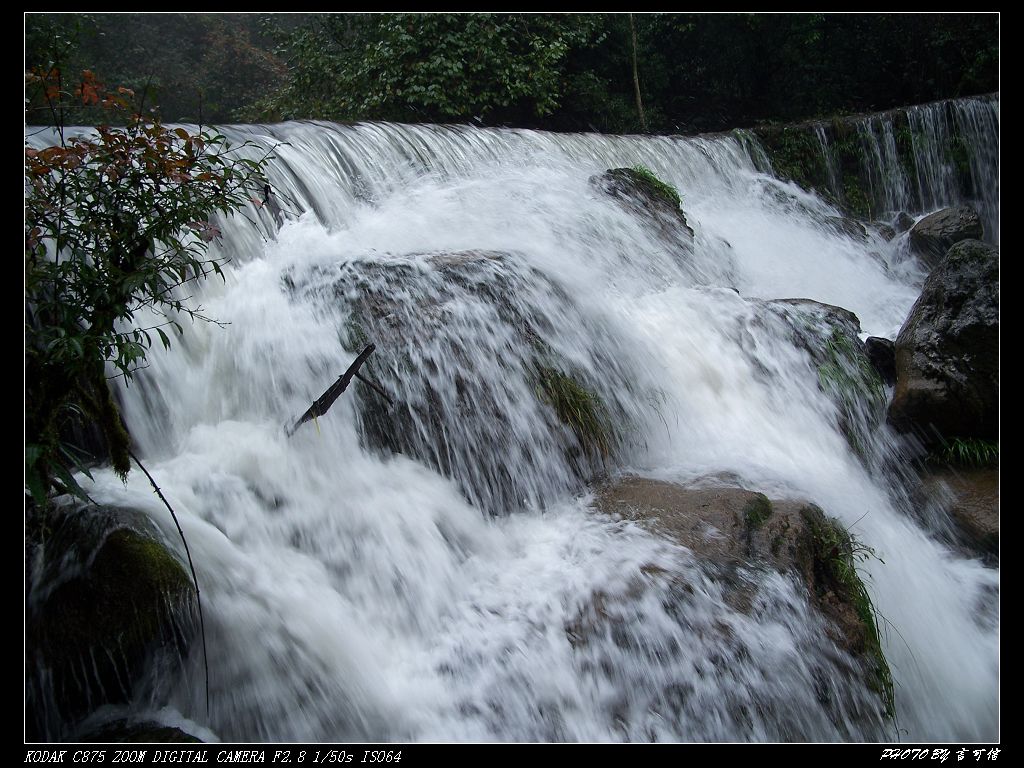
(578, 408)
(697, 72)
(116, 221)
(427, 67)
(663, 189)
(969, 452)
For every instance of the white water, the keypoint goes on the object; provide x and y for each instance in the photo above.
(351, 594)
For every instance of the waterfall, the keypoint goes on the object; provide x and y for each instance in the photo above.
(922, 158)
(430, 575)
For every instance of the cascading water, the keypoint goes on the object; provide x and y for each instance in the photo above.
(465, 588)
(922, 158)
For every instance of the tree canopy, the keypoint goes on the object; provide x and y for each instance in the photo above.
(696, 72)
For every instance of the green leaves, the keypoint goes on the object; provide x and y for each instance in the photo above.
(435, 67)
(115, 222)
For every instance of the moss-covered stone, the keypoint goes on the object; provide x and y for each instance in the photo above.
(644, 194)
(830, 336)
(757, 511)
(107, 603)
(730, 528)
(828, 556)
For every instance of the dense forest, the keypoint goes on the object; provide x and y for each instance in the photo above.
(613, 73)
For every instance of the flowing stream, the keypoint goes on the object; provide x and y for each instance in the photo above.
(428, 573)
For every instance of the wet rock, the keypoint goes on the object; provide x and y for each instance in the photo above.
(947, 352)
(885, 231)
(903, 222)
(848, 227)
(644, 195)
(882, 354)
(731, 529)
(831, 336)
(933, 235)
(108, 605)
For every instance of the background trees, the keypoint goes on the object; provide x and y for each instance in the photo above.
(697, 72)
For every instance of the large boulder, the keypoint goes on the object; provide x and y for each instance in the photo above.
(731, 530)
(947, 352)
(933, 235)
(109, 611)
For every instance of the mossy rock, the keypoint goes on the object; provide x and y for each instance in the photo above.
(827, 555)
(728, 528)
(466, 350)
(845, 371)
(644, 194)
(107, 604)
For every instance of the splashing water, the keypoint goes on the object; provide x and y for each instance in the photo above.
(465, 588)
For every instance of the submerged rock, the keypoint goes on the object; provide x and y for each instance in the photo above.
(831, 336)
(933, 235)
(848, 227)
(109, 610)
(466, 349)
(971, 496)
(885, 231)
(947, 352)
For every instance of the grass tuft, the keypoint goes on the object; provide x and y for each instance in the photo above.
(969, 452)
(837, 552)
(667, 191)
(578, 408)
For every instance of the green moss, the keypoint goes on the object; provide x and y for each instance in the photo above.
(578, 408)
(659, 187)
(835, 554)
(757, 511)
(848, 370)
